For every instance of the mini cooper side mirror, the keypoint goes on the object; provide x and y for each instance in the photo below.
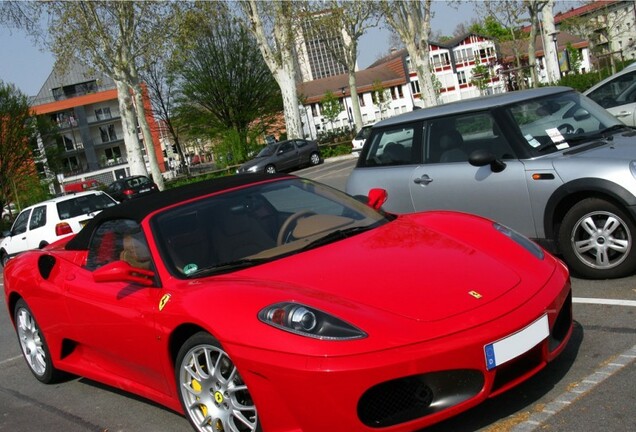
(480, 158)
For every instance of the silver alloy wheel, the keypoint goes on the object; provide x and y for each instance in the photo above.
(601, 239)
(270, 169)
(31, 342)
(314, 159)
(214, 395)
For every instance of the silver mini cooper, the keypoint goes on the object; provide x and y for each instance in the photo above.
(549, 163)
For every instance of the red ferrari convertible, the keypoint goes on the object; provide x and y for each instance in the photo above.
(260, 303)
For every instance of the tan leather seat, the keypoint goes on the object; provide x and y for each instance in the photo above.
(135, 253)
(236, 235)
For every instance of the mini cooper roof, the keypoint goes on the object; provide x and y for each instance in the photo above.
(138, 209)
(473, 104)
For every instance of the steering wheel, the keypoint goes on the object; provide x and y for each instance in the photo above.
(287, 227)
(566, 129)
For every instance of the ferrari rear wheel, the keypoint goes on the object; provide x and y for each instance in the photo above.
(34, 347)
(212, 393)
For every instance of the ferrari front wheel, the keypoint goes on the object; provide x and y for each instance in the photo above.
(34, 347)
(212, 392)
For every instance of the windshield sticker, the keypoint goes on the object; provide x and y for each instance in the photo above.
(532, 141)
(557, 138)
(190, 268)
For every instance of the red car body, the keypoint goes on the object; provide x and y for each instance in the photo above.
(430, 292)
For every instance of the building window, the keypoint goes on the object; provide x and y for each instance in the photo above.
(415, 87)
(68, 143)
(108, 133)
(113, 153)
(71, 163)
(361, 100)
(461, 77)
(440, 60)
(103, 113)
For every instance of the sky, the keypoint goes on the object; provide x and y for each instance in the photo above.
(27, 66)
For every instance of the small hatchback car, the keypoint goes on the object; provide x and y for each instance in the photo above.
(283, 156)
(46, 222)
(549, 163)
(131, 187)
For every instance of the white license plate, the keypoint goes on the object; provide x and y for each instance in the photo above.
(144, 190)
(510, 347)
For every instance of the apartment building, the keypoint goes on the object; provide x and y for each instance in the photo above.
(389, 78)
(83, 105)
(608, 25)
(316, 43)
(453, 64)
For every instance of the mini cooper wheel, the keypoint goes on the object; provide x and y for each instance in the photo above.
(314, 159)
(597, 240)
(34, 347)
(212, 393)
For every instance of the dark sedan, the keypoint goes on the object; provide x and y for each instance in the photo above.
(282, 156)
(128, 188)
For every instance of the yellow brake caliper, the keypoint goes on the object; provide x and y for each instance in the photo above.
(196, 386)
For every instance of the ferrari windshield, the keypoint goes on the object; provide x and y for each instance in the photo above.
(560, 121)
(245, 227)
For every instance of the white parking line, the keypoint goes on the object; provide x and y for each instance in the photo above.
(581, 388)
(9, 360)
(600, 301)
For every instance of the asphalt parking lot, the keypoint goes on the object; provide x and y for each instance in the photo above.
(590, 387)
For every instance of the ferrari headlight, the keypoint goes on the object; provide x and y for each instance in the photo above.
(522, 240)
(306, 321)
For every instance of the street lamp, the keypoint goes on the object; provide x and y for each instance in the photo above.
(556, 51)
(344, 100)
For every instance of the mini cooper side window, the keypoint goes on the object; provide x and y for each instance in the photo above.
(453, 139)
(119, 239)
(395, 145)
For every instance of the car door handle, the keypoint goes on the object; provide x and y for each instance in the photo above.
(622, 114)
(425, 179)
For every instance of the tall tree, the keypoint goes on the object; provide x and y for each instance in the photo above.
(330, 107)
(273, 25)
(350, 18)
(411, 19)
(224, 81)
(112, 37)
(549, 46)
(18, 129)
(509, 15)
(533, 7)
(162, 92)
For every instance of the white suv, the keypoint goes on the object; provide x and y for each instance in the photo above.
(49, 221)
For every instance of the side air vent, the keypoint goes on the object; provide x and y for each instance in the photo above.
(45, 265)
